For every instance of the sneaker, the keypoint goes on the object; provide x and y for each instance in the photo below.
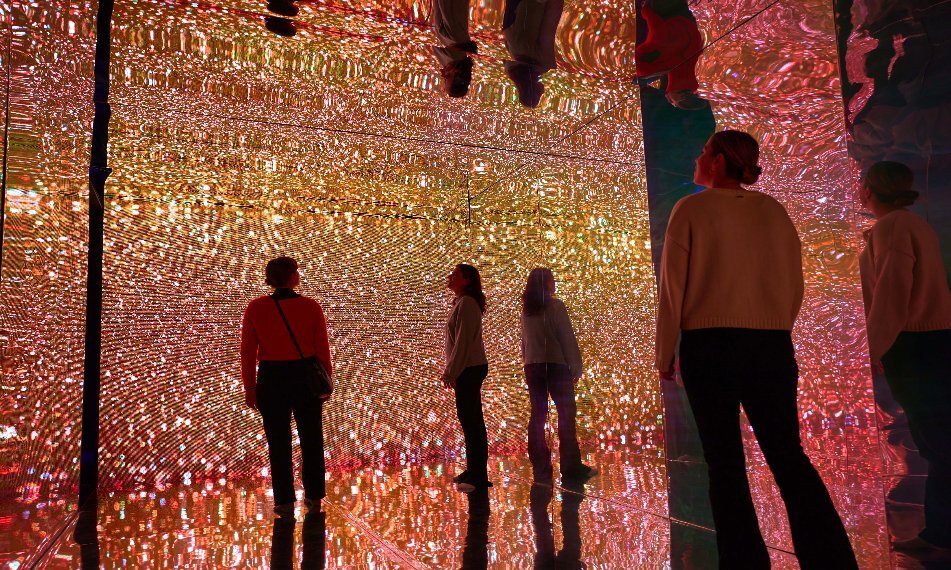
(458, 76)
(460, 477)
(472, 486)
(527, 84)
(280, 26)
(283, 8)
(284, 511)
(581, 473)
(687, 100)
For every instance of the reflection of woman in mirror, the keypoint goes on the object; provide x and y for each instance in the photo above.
(908, 308)
(466, 369)
(731, 286)
(529, 28)
(451, 24)
(552, 363)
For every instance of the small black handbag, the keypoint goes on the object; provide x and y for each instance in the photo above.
(316, 377)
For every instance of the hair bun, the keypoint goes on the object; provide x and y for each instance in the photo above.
(751, 174)
(905, 198)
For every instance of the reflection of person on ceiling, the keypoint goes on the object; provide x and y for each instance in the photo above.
(451, 22)
(282, 26)
(672, 48)
(529, 28)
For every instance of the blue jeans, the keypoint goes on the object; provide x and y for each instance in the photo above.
(555, 380)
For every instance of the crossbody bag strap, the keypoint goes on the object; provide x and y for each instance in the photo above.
(288, 325)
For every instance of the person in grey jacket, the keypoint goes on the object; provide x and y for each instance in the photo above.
(552, 362)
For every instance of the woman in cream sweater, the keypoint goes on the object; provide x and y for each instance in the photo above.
(466, 369)
(730, 287)
(908, 314)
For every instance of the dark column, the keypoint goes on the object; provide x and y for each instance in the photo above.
(98, 172)
(6, 135)
(673, 139)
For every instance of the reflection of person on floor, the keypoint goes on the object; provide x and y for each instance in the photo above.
(312, 536)
(908, 308)
(475, 553)
(451, 21)
(552, 363)
(672, 48)
(529, 28)
(570, 554)
(285, 333)
(466, 369)
(731, 286)
(86, 535)
(282, 544)
(282, 26)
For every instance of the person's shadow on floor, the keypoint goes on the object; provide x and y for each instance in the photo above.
(313, 541)
(475, 553)
(569, 556)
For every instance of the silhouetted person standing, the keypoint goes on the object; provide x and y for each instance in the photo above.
(570, 555)
(529, 28)
(552, 361)
(908, 309)
(466, 370)
(284, 333)
(451, 22)
(731, 286)
(475, 552)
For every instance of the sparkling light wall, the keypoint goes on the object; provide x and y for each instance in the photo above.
(42, 285)
(231, 145)
(338, 147)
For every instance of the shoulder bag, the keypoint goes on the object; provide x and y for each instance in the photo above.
(316, 377)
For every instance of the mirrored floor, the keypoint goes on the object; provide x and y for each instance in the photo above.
(415, 518)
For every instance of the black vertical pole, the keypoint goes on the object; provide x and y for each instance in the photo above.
(98, 172)
(6, 136)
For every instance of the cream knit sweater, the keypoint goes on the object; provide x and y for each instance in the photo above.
(464, 347)
(903, 280)
(731, 259)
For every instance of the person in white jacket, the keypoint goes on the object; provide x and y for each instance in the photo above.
(466, 370)
(529, 27)
(552, 363)
(908, 315)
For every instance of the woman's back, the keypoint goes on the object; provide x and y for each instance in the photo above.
(743, 261)
(904, 281)
(548, 337)
(265, 336)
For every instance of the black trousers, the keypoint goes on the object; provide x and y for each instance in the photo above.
(281, 391)
(722, 369)
(469, 408)
(918, 371)
(554, 379)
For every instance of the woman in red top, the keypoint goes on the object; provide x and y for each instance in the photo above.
(280, 385)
